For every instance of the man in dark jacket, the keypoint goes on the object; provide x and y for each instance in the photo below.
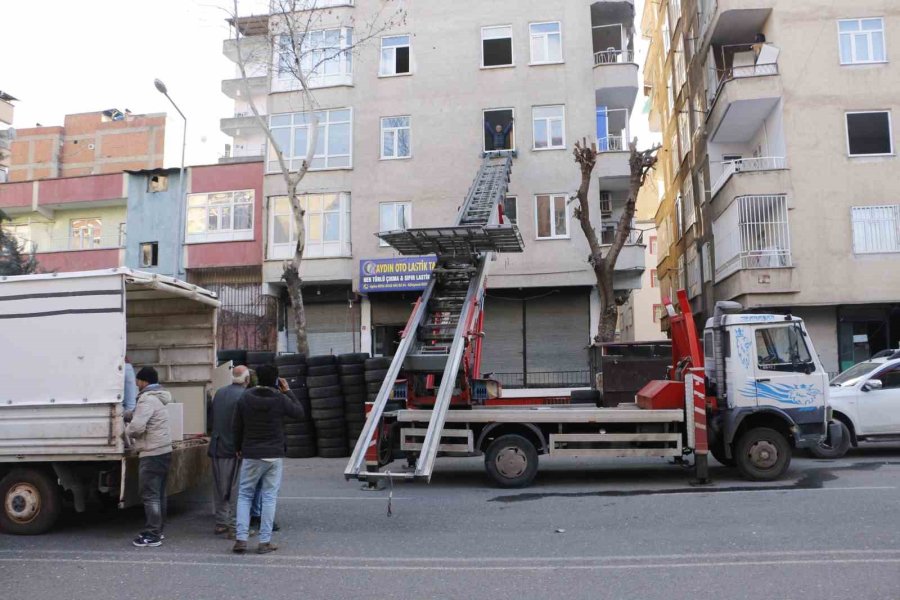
(225, 464)
(259, 443)
(498, 134)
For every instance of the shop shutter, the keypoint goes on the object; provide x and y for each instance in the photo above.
(503, 344)
(557, 337)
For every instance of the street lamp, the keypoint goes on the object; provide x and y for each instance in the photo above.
(161, 87)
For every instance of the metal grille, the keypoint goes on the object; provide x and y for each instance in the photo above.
(247, 317)
(544, 379)
(876, 229)
(753, 233)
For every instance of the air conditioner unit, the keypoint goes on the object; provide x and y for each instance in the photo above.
(605, 204)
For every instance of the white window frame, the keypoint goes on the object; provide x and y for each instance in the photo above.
(512, 46)
(554, 235)
(392, 51)
(545, 38)
(229, 234)
(313, 250)
(706, 252)
(679, 216)
(876, 235)
(21, 232)
(548, 121)
(285, 80)
(295, 156)
(393, 206)
(869, 42)
(395, 135)
(690, 209)
(512, 132)
(80, 242)
(869, 112)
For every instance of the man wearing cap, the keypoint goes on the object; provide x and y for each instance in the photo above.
(149, 433)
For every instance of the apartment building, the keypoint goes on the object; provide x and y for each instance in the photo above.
(108, 141)
(779, 160)
(404, 121)
(7, 135)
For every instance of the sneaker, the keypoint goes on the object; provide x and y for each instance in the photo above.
(144, 540)
(266, 548)
(239, 547)
(220, 529)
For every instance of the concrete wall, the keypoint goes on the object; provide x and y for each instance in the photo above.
(821, 322)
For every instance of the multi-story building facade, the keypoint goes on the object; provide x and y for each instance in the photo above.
(109, 141)
(779, 154)
(404, 121)
(7, 134)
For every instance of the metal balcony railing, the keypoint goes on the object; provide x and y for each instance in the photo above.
(243, 150)
(612, 56)
(747, 165)
(612, 143)
(75, 243)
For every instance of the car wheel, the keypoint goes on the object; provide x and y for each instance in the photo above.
(824, 449)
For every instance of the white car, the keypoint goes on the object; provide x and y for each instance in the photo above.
(865, 399)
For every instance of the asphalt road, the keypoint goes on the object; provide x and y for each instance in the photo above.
(588, 529)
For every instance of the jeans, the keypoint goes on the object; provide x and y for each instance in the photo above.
(253, 471)
(225, 483)
(256, 508)
(153, 472)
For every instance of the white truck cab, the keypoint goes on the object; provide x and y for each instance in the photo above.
(865, 400)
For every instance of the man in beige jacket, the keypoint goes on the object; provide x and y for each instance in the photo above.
(149, 433)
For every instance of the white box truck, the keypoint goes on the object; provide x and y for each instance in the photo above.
(63, 342)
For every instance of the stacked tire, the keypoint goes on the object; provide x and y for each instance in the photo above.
(299, 434)
(375, 371)
(351, 368)
(327, 406)
(257, 359)
(237, 357)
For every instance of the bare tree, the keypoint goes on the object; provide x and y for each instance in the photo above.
(291, 45)
(603, 258)
(15, 259)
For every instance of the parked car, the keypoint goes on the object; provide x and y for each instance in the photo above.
(866, 401)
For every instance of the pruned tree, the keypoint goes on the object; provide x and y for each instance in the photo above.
(295, 46)
(603, 257)
(14, 258)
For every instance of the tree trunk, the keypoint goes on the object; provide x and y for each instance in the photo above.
(291, 273)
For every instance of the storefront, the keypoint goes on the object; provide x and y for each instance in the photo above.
(866, 330)
(332, 320)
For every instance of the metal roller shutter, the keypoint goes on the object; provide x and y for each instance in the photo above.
(556, 327)
(391, 311)
(503, 349)
(332, 328)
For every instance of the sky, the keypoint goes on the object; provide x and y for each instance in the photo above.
(61, 57)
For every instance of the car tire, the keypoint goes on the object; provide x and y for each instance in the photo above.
(351, 369)
(290, 359)
(339, 452)
(326, 403)
(352, 358)
(299, 440)
(825, 450)
(511, 461)
(377, 375)
(260, 358)
(319, 414)
(301, 451)
(290, 371)
(30, 502)
(322, 381)
(301, 428)
(718, 452)
(320, 360)
(324, 392)
(762, 454)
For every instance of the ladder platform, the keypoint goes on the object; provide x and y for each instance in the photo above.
(459, 240)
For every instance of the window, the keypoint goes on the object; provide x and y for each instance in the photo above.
(782, 349)
(752, 233)
(684, 135)
(869, 133)
(327, 223)
(551, 216)
(679, 277)
(85, 234)
(654, 279)
(679, 216)
(653, 240)
(22, 234)
(333, 146)
(862, 41)
(694, 283)
(394, 216)
(499, 133)
(220, 216)
(496, 46)
(325, 59)
(546, 43)
(394, 56)
(158, 183)
(889, 378)
(549, 127)
(690, 213)
(701, 186)
(678, 67)
(706, 250)
(606, 204)
(122, 230)
(395, 138)
(511, 209)
(876, 229)
(150, 254)
(659, 313)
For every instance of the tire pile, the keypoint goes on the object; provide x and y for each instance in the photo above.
(351, 368)
(327, 406)
(299, 434)
(375, 371)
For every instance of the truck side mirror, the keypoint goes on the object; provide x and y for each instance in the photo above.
(871, 385)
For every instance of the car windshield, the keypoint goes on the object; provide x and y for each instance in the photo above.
(851, 376)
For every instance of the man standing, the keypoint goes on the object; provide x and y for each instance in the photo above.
(149, 434)
(259, 442)
(225, 465)
(498, 134)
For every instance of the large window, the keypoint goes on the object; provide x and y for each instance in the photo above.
(782, 349)
(862, 41)
(499, 131)
(22, 234)
(690, 213)
(325, 59)
(395, 138)
(546, 42)
(395, 56)
(327, 223)
(220, 216)
(876, 229)
(869, 133)
(551, 216)
(394, 216)
(85, 234)
(496, 46)
(694, 277)
(549, 127)
(333, 146)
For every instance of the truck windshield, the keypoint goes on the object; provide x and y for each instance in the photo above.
(781, 349)
(851, 376)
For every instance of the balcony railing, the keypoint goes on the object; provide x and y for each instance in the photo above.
(766, 66)
(544, 379)
(612, 143)
(249, 150)
(611, 56)
(74, 244)
(747, 165)
(753, 233)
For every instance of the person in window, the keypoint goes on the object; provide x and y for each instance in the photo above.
(498, 134)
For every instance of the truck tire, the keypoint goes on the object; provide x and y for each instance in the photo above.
(718, 452)
(825, 450)
(353, 358)
(511, 461)
(321, 381)
(379, 362)
(351, 369)
(762, 454)
(31, 502)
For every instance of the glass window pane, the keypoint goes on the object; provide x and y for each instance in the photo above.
(243, 216)
(878, 46)
(331, 202)
(560, 216)
(332, 227)
(387, 62)
(282, 137)
(339, 139)
(314, 203)
(314, 230)
(556, 130)
(197, 200)
(846, 49)
(221, 198)
(846, 26)
(872, 25)
(555, 43)
(540, 133)
(282, 229)
(543, 216)
(396, 121)
(387, 144)
(320, 141)
(339, 115)
(280, 120)
(547, 112)
(225, 218)
(282, 205)
(403, 142)
(545, 28)
(862, 47)
(212, 221)
(387, 217)
(300, 141)
(196, 220)
(403, 216)
(493, 33)
(399, 40)
(537, 49)
(244, 196)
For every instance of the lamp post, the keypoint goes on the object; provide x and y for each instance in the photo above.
(179, 256)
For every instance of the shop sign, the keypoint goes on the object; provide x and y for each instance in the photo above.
(401, 274)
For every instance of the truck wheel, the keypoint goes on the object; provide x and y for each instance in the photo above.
(31, 502)
(718, 452)
(824, 449)
(511, 461)
(762, 454)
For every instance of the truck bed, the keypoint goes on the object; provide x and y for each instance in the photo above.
(571, 413)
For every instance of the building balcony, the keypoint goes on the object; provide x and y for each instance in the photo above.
(745, 96)
(241, 123)
(234, 88)
(726, 21)
(251, 48)
(750, 175)
(615, 78)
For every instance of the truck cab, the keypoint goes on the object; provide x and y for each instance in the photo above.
(766, 378)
